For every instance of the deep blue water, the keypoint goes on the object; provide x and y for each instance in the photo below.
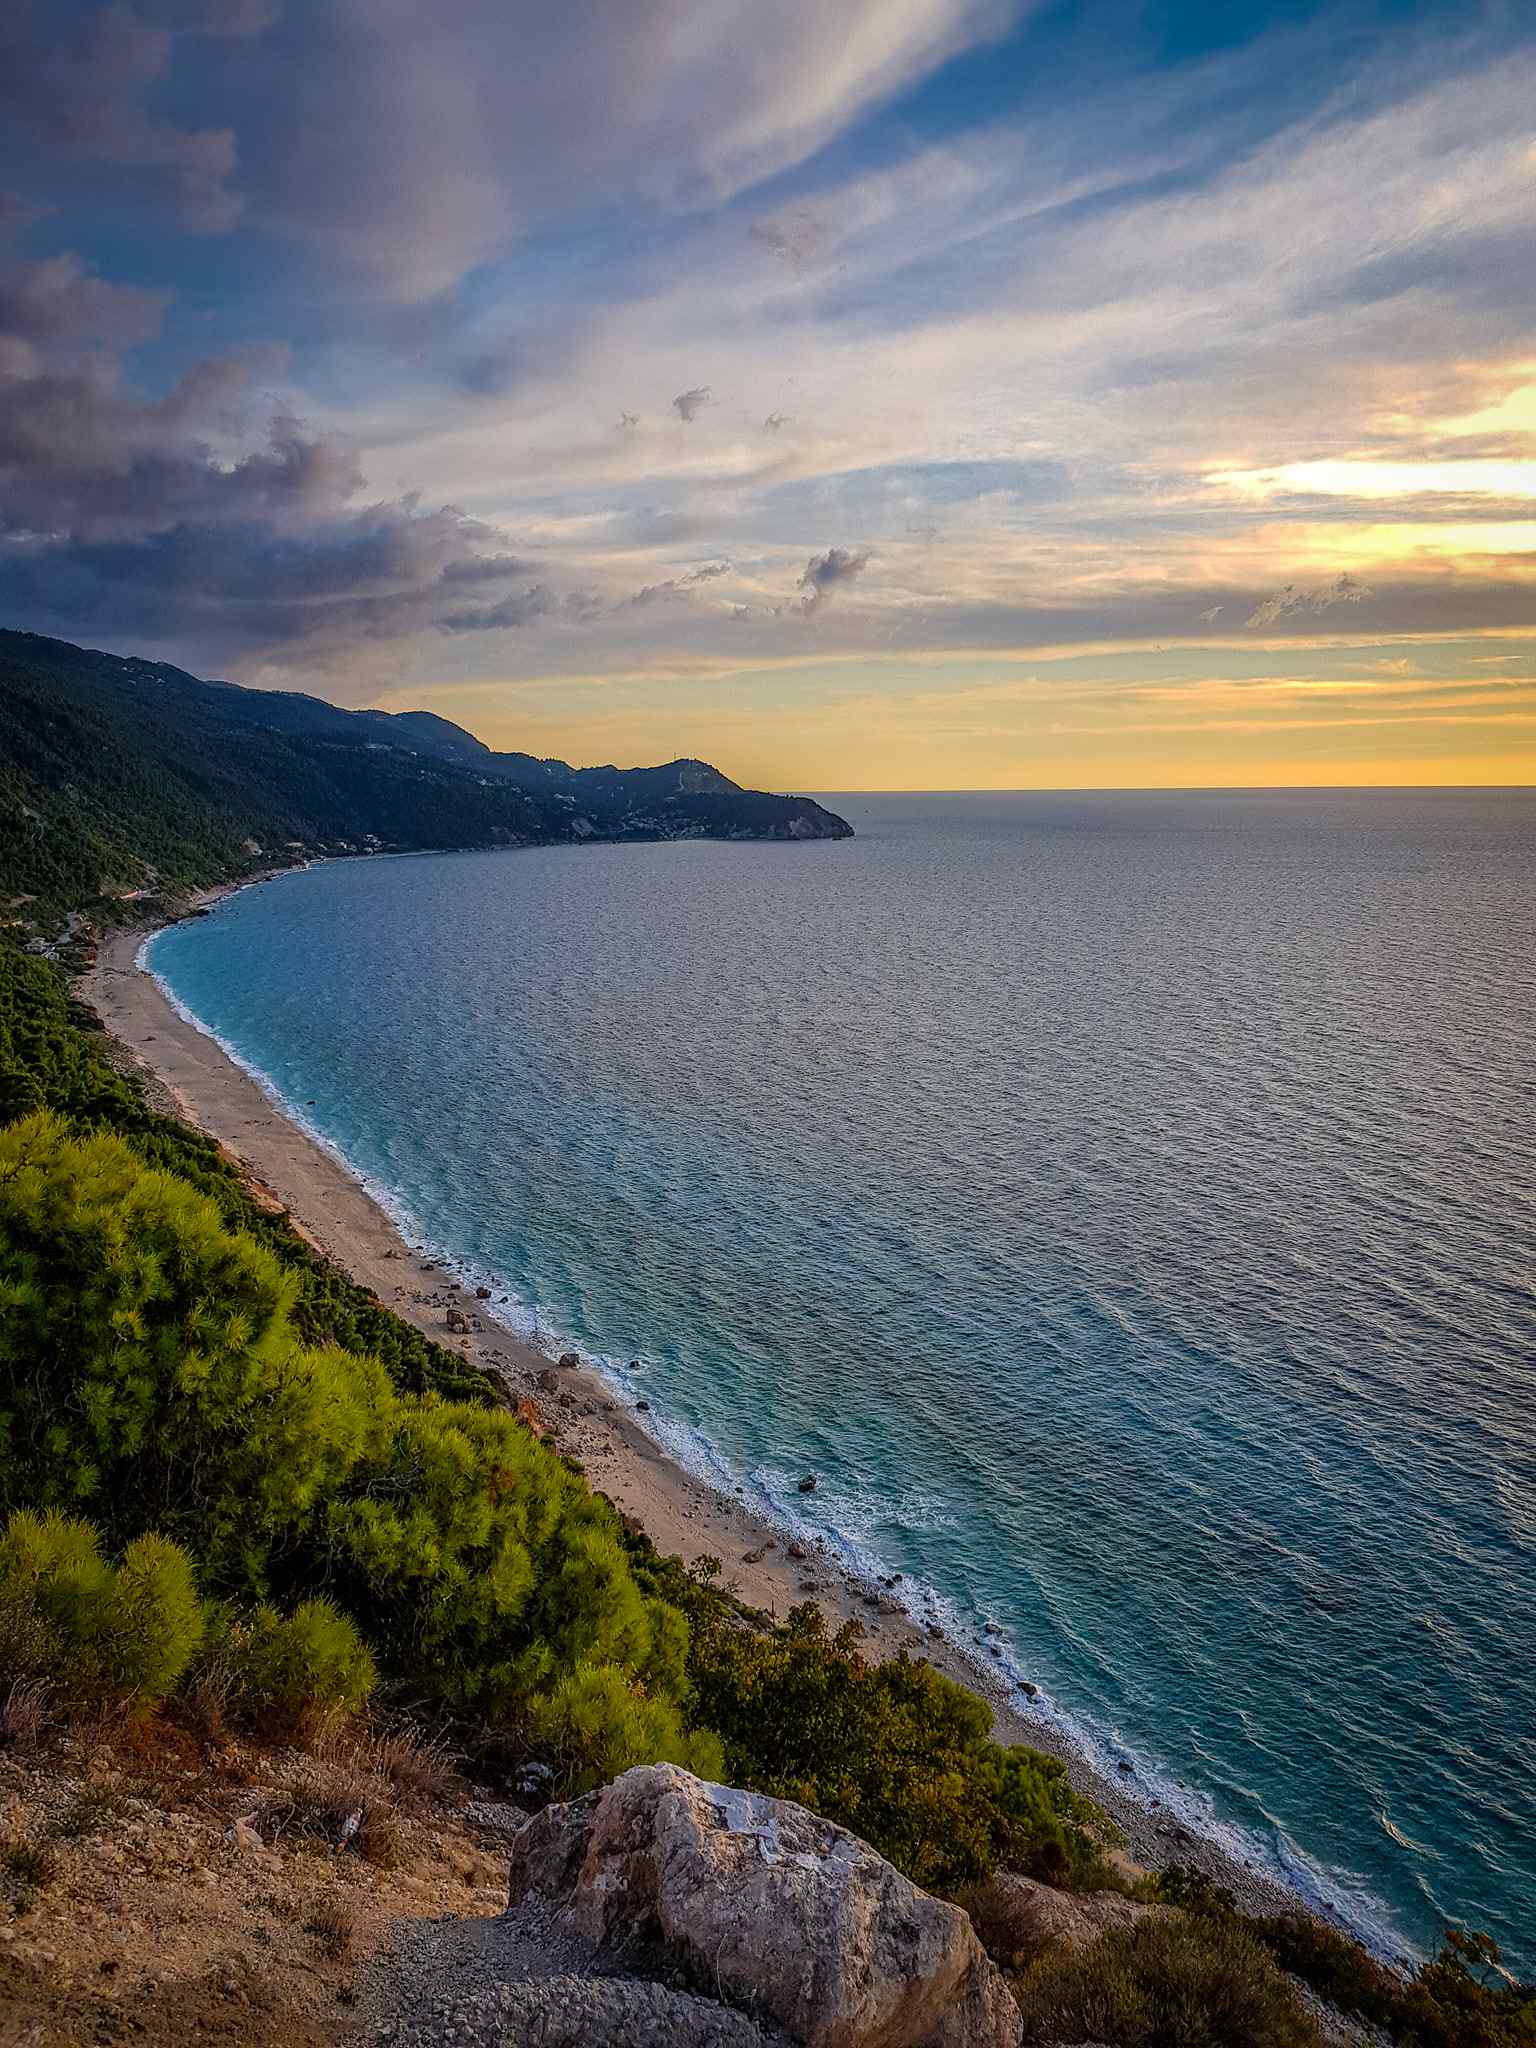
(1127, 1204)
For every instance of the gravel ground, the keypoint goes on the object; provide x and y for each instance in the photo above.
(518, 1981)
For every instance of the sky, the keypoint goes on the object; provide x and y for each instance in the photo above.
(882, 394)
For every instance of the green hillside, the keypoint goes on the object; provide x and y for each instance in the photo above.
(121, 775)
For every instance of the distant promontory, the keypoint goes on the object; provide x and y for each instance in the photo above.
(120, 775)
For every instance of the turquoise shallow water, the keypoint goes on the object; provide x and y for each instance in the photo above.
(1126, 1204)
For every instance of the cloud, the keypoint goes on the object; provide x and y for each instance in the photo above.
(679, 587)
(828, 573)
(75, 86)
(689, 403)
(58, 300)
(318, 591)
(980, 321)
(794, 239)
(408, 151)
(81, 453)
(211, 516)
(1293, 602)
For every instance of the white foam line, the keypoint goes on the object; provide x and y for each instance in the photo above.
(1334, 1894)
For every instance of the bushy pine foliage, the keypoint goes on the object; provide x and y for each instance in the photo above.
(300, 1667)
(593, 1726)
(52, 1057)
(894, 1751)
(151, 1375)
(126, 1633)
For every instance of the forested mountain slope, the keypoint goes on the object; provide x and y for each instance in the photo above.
(118, 774)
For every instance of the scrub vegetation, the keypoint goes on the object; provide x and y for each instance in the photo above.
(236, 1493)
(340, 1512)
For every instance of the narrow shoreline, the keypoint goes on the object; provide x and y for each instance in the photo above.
(189, 1075)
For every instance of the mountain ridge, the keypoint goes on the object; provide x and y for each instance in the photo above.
(120, 775)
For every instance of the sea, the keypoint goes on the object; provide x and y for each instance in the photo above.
(1125, 1204)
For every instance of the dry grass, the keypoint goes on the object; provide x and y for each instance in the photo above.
(205, 1704)
(334, 1929)
(25, 1712)
(336, 1802)
(231, 2006)
(97, 1804)
(26, 1868)
(421, 1768)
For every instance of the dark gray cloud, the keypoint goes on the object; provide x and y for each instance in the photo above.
(833, 571)
(382, 573)
(689, 403)
(58, 300)
(81, 453)
(75, 91)
(520, 608)
(210, 518)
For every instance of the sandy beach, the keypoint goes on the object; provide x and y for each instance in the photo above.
(188, 1075)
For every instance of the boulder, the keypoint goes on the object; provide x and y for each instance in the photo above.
(770, 1908)
(547, 1382)
(458, 1322)
(569, 1360)
(1018, 1917)
(482, 1294)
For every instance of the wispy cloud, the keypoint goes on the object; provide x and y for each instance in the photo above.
(1292, 602)
(1127, 342)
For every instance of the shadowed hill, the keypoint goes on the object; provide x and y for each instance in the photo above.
(120, 774)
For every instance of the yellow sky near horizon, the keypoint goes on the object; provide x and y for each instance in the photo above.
(1338, 718)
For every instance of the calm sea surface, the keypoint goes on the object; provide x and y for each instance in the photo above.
(1127, 1204)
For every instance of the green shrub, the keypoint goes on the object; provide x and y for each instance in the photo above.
(895, 1751)
(1462, 1999)
(52, 1056)
(151, 1370)
(151, 1620)
(594, 1725)
(309, 1665)
(67, 1616)
(1465, 1999)
(1192, 1982)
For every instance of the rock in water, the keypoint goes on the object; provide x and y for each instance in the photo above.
(770, 1908)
